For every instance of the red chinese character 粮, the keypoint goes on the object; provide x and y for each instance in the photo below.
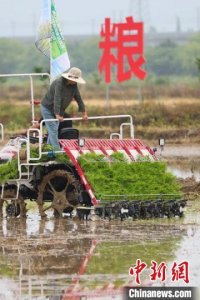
(140, 266)
(123, 47)
(158, 271)
(180, 271)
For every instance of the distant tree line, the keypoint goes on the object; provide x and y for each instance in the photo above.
(167, 59)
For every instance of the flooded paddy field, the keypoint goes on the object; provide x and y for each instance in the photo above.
(58, 258)
(67, 258)
(182, 160)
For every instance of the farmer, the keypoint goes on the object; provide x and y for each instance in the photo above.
(57, 99)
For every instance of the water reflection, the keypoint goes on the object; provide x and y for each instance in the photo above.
(54, 257)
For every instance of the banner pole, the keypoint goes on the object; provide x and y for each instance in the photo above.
(50, 17)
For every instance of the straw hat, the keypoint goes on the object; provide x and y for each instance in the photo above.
(74, 74)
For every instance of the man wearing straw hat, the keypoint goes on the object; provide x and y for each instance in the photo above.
(57, 99)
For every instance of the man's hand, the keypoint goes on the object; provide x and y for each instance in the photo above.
(60, 118)
(84, 115)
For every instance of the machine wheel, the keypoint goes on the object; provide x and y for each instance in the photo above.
(16, 207)
(13, 209)
(61, 188)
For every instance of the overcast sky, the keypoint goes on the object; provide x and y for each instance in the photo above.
(20, 18)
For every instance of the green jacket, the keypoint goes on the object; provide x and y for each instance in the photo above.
(59, 96)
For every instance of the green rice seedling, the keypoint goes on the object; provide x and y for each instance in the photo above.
(119, 177)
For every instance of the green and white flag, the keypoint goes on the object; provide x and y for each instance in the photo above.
(50, 40)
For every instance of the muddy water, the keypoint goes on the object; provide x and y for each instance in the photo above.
(182, 161)
(180, 151)
(64, 258)
(41, 258)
